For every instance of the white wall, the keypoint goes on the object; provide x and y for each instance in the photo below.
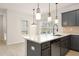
(14, 26)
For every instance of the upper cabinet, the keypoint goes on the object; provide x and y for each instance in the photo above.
(65, 19)
(77, 17)
(70, 18)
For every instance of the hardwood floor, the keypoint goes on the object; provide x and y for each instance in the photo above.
(12, 50)
(72, 53)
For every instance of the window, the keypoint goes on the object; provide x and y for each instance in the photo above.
(46, 27)
(24, 27)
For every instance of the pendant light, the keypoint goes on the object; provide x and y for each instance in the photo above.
(33, 24)
(38, 14)
(49, 14)
(56, 20)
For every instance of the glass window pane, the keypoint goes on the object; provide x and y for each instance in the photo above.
(24, 27)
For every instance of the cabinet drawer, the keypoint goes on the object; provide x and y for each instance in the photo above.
(45, 45)
(46, 52)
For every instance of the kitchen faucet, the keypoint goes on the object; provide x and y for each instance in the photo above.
(55, 25)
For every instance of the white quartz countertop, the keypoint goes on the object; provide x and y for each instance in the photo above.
(44, 38)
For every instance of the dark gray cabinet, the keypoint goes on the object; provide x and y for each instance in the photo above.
(72, 18)
(75, 42)
(68, 40)
(77, 17)
(65, 19)
(33, 48)
(65, 45)
(45, 52)
(36, 49)
(57, 47)
(63, 50)
(51, 48)
(45, 49)
(61, 46)
(68, 18)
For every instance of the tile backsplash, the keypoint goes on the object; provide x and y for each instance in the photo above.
(71, 30)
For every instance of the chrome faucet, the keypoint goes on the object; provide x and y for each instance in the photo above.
(55, 29)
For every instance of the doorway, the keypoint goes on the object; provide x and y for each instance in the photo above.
(2, 30)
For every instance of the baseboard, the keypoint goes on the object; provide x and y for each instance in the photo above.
(15, 43)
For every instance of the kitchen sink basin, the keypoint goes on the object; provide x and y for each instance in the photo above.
(58, 35)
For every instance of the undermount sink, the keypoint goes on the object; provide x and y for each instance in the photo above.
(58, 35)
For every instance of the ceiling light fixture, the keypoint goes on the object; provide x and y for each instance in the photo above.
(33, 24)
(38, 14)
(49, 14)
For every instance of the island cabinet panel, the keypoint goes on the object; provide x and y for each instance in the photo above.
(45, 49)
(56, 47)
(45, 52)
(33, 48)
(37, 49)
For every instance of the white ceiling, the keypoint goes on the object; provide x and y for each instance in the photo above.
(27, 7)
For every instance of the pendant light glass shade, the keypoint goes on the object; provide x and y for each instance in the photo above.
(56, 21)
(49, 15)
(49, 19)
(38, 14)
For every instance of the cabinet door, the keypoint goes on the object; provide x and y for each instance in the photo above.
(63, 48)
(77, 17)
(68, 18)
(45, 49)
(33, 49)
(75, 42)
(65, 45)
(65, 19)
(72, 18)
(68, 41)
(46, 52)
(55, 49)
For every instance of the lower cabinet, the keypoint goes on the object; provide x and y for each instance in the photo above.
(65, 45)
(45, 52)
(45, 49)
(63, 48)
(58, 47)
(75, 42)
(38, 49)
(33, 48)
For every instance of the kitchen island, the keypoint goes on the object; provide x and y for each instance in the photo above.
(48, 45)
